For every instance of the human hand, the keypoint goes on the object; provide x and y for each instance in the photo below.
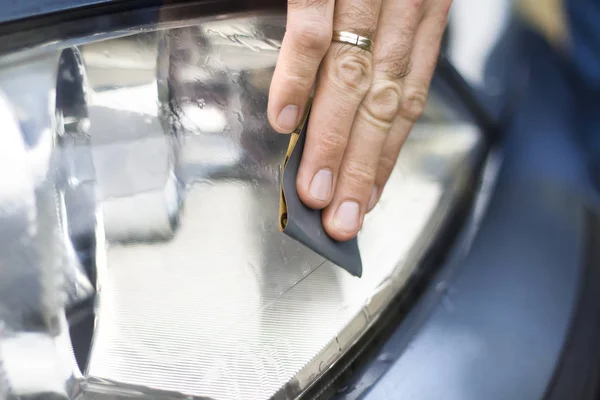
(365, 102)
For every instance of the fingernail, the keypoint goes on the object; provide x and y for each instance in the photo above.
(320, 187)
(288, 117)
(346, 217)
(373, 198)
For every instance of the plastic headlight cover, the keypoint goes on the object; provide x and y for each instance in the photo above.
(140, 171)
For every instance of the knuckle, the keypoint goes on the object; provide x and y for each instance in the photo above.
(358, 173)
(331, 144)
(353, 73)
(381, 103)
(413, 104)
(311, 37)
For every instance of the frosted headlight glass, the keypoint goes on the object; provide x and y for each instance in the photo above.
(141, 169)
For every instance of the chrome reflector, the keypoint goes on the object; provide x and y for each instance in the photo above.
(158, 172)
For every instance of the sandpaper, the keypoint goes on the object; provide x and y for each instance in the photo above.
(305, 224)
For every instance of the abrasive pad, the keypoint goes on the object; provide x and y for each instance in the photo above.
(305, 224)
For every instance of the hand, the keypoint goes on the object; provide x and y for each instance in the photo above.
(365, 103)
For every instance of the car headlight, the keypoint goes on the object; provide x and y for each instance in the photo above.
(138, 173)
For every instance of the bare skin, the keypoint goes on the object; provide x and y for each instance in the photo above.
(365, 103)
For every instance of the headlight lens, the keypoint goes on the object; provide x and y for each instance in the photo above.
(141, 168)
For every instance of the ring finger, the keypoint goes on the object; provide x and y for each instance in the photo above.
(355, 188)
(344, 79)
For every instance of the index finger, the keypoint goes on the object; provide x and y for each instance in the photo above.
(307, 38)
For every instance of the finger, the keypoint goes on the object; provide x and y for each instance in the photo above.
(344, 78)
(415, 88)
(393, 43)
(307, 38)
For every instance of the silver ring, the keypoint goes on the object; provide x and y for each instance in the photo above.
(351, 38)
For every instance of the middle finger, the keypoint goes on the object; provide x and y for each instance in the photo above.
(344, 78)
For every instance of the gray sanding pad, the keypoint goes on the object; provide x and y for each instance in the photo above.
(305, 224)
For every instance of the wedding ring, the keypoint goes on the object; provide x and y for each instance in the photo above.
(351, 38)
